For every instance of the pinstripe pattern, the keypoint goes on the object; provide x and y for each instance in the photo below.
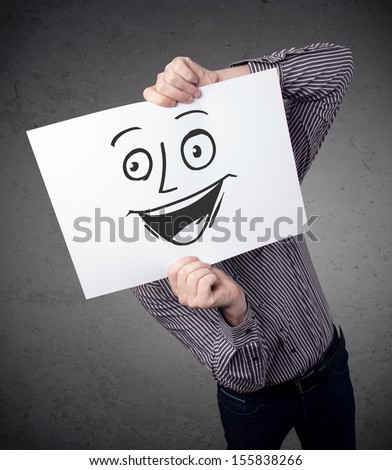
(288, 324)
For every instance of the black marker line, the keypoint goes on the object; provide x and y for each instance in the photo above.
(183, 199)
(161, 190)
(116, 137)
(151, 231)
(190, 112)
(215, 212)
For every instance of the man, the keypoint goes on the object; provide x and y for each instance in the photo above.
(259, 321)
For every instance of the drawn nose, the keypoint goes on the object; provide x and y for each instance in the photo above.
(162, 188)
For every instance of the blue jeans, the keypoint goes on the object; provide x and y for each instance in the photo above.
(323, 417)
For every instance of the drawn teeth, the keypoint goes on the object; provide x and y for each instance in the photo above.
(179, 205)
(194, 213)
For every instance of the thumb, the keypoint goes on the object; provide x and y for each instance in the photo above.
(205, 76)
(221, 276)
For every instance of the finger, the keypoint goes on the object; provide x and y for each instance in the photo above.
(225, 288)
(150, 94)
(166, 89)
(172, 272)
(192, 287)
(176, 80)
(183, 275)
(185, 68)
(205, 294)
(188, 68)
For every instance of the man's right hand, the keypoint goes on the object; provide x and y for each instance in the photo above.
(181, 79)
(200, 285)
(179, 82)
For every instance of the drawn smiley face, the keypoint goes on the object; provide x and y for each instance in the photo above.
(193, 213)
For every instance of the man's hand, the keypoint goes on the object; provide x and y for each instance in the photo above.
(200, 285)
(181, 79)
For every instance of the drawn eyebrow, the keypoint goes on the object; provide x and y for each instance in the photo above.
(190, 112)
(116, 137)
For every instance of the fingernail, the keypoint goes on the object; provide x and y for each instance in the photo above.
(173, 103)
(197, 93)
(188, 99)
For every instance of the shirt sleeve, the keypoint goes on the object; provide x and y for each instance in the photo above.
(313, 80)
(230, 353)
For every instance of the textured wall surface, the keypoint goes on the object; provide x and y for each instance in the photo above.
(101, 374)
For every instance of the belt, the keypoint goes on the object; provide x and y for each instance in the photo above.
(320, 371)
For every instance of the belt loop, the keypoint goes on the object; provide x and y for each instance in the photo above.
(342, 339)
(298, 388)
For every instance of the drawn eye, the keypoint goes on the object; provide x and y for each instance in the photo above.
(198, 149)
(137, 165)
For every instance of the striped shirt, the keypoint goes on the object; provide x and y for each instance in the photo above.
(288, 324)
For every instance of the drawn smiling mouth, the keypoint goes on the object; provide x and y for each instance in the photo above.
(193, 213)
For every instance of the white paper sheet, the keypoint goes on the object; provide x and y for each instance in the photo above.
(123, 182)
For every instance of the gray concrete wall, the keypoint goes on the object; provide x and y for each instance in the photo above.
(101, 373)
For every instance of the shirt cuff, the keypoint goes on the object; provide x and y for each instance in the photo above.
(259, 65)
(242, 334)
